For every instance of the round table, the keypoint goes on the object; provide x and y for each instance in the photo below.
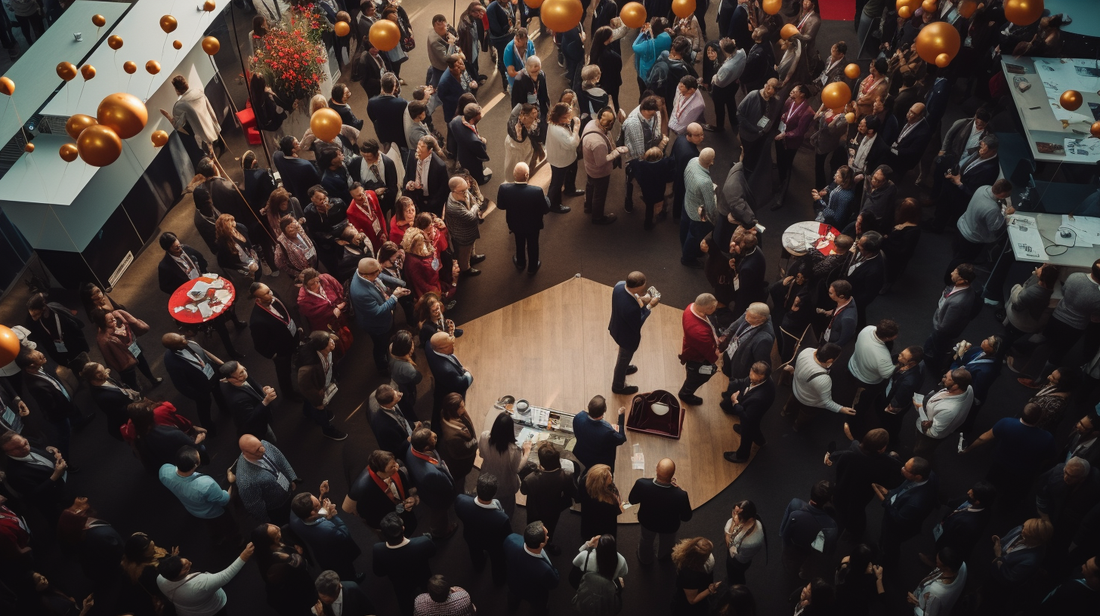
(801, 237)
(218, 297)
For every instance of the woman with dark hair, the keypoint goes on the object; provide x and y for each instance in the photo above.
(97, 545)
(651, 41)
(736, 601)
(694, 577)
(403, 219)
(316, 380)
(653, 173)
(139, 561)
(600, 502)
(270, 111)
(600, 555)
(404, 376)
(713, 58)
(867, 221)
(744, 534)
(285, 572)
(117, 336)
(858, 581)
(606, 55)
(562, 139)
(874, 85)
(521, 136)
(392, 259)
(279, 204)
(164, 414)
(92, 297)
(1055, 397)
(321, 302)
(235, 252)
(815, 599)
(502, 457)
(54, 602)
(900, 243)
(458, 441)
(833, 203)
(429, 314)
(156, 444)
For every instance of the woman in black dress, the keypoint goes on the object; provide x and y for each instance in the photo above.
(600, 502)
(695, 583)
(605, 55)
(285, 572)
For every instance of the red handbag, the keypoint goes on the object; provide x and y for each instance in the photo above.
(642, 418)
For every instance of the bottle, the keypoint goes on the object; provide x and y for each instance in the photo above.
(962, 442)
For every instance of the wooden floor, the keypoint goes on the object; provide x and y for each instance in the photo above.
(554, 350)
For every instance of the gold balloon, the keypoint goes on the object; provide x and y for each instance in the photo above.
(534, 4)
(123, 113)
(852, 71)
(633, 15)
(850, 117)
(77, 123)
(7, 86)
(87, 71)
(936, 38)
(209, 6)
(211, 45)
(326, 123)
(905, 12)
(28, 148)
(153, 67)
(1023, 12)
(836, 95)
(384, 35)
(929, 6)
(114, 42)
(561, 15)
(1070, 100)
(787, 31)
(129, 67)
(99, 146)
(342, 28)
(99, 21)
(683, 8)
(943, 60)
(66, 71)
(967, 8)
(168, 24)
(177, 44)
(160, 138)
(912, 4)
(68, 152)
(771, 7)
(1095, 130)
(9, 345)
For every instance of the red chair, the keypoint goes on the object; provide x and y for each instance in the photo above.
(247, 118)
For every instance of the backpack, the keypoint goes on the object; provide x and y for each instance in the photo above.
(597, 596)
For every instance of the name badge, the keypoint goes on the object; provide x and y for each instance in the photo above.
(828, 330)
(968, 42)
(208, 370)
(894, 150)
(330, 393)
(193, 274)
(824, 78)
(937, 530)
(312, 252)
(762, 122)
(12, 419)
(532, 98)
(60, 346)
(736, 283)
(283, 482)
(134, 349)
(782, 126)
(293, 327)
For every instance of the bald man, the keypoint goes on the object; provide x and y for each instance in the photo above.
(906, 151)
(684, 149)
(264, 480)
(758, 113)
(700, 207)
(194, 373)
(449, 373)
(663, 506)
(525, 205)
(374, 306)
(699, 353)
(275, 335)
(463, 220)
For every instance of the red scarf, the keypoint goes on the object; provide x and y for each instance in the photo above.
(424, 457)
(381, 483)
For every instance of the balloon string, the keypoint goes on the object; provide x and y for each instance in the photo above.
(81, 95)
(61, 180)
(30, 157)
(122, 206)
(75, 249)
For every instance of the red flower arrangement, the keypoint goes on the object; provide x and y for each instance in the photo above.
(311, 19)
(292, 63)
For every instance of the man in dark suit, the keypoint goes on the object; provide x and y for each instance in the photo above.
(1084, 440)
(752, 286)
(224, 194)
(751, 338)
(37, 474)
(433, 481)
(57, 332)
(426, 177)
(374, 308)
(330, 589)
(549, 487)
(372, 65)
(51, 396)
(341, 94)
(334, 175)
(274, 334)
(629, 310)
(863, 464)
(530, 87)
(194, 373)
(597, 439)
(387, 112)
(449, 373)
(469, 147)
(249, 403)
(379, 489)
(315, 521)
(866, 272)
(526, 205)
(664, 505)
(484, 526)
(974, 171)
(391, 429)
(111, 396)
(736, 24)
(375, 171)
(750, 399)
(404, 561)
(685, 148)
(898, 397)
(297, 174)
(905, 508)
(912, 140)
(12, 408)
(531, 575)
(961, 528)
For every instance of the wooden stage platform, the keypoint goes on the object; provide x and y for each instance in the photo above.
(554, 350)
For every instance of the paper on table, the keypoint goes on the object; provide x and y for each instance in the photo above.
(222, 295)
(637, 462)
(1025, 239)
(205, 310)
(200, 287)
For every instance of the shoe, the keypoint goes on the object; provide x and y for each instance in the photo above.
(605, 220)
(157, 381)
(631, 369)
(1009, 363)
(534, 269)
(574, 193)
(692, 400)
(473, 271)
(332, 433)
(475, 259)
(458, 332)
(712, 128)
(240, 325)
(447, 535)
(1030, 383)
(519, 266)
(561, 209)
(628, 207)
(731, 456)
(693, 264)
(626, 390)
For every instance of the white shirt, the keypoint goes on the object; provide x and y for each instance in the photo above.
(810, 389)
(422, 166)
(936, 598)
(871, 361)
(947, 412)
(859, 161)
(561, 146)
(685, 111)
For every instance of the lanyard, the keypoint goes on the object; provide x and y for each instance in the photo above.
(59, 337)
(804, 20)
(681, 104)
(792, 112)
(273, 312)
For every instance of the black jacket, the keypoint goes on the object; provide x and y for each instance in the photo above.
(483, 529)
(44, 332)
(52, 402)
(548, 492)
(270, 335)
(187, 378)
(33, 483)
(113, 402)
(358, 166)
(525, 86)
(471, 151)
(755, 402)
(437, 185)
(525, 204)
(387, 113)
(169, 274)
(298, 175)
(347, 116)
(663, 507)
(250, 414)
(962, 528)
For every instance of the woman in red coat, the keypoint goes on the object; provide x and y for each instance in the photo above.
(402, 219)
(117, 338)
(365, 213)
(321, 302)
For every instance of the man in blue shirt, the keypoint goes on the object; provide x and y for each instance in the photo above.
(201, 496)
(596, 438)
(1021, 449)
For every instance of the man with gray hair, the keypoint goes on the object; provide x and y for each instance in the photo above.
(700, 207)
(350, 598)
(1066, 494)
(525, 206)
(463, 218)
(374, 306)
(470, 146)
(699, 352)
(758, 113)
(530, 87)
(750, 340)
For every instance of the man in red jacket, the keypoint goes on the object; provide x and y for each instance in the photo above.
(700, 349)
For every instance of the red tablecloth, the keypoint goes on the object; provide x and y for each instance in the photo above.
(180, 301)
(803, 235)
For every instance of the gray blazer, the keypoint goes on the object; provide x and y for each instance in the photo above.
(259, 489)
(754, 346)
(735, 195)
(955, 311)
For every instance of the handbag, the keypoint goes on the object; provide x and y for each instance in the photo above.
(576, 573)
(668, 421)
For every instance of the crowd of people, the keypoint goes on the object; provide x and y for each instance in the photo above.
(377, 233)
